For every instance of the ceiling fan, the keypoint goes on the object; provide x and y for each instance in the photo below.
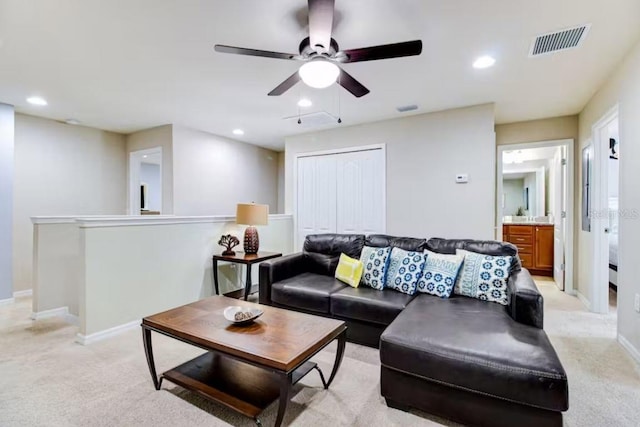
(321, 54)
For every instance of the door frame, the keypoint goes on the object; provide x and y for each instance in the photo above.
(569, 238)
(329, 152)
(135, 159)
(599, 221)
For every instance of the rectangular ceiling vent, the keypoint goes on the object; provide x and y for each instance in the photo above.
(559, 40)
(319, 118)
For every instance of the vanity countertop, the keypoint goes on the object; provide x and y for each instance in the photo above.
(526, 223)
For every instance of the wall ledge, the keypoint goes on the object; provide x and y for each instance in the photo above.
(139, 220)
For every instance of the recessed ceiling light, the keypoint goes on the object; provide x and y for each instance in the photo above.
(72, 122)
(484, 62)
(238, 132)
(145, 156)
(304, 103)
(36, 100)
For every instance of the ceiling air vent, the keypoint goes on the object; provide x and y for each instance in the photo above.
(559, 40)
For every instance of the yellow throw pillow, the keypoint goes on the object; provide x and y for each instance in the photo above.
(349, 270)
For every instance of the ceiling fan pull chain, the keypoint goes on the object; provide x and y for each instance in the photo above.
(339, 105)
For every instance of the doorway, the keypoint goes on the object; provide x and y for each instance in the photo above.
(145, 182)
(534, 206)
(605, 212)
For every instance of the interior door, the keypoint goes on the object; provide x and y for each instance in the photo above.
(316, 188)
(360, 192)
(559, 173)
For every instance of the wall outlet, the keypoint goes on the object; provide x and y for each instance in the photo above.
(636, 303)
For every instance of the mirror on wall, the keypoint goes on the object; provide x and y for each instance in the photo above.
(525, 182)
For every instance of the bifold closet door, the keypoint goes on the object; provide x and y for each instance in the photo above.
(316, 190)
(360, 192)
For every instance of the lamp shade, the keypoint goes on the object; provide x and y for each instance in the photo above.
(252, 214)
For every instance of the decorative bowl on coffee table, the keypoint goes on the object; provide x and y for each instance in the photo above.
(241, 315)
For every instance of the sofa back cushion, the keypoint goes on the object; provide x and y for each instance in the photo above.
(410, 244)
(485, 247)
(322, 251)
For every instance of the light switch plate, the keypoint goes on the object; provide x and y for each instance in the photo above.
(462, 178)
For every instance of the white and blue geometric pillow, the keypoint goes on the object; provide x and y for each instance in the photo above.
(405, 269)
(375, 267)
(439, 274)
(484, 277)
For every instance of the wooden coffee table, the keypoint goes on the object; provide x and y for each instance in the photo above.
(246, 368)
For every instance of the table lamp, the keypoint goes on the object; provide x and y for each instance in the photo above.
(252, 214)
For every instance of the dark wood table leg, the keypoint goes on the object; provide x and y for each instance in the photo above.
(247, 285)
(285, 388)
(215, 276)
(342, 340)
(148, 350)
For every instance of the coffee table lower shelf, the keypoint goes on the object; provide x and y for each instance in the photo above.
(242, 387)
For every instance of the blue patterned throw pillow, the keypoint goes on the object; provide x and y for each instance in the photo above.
(405, 269)
(375, 267)
(484, 277)
(439, 274)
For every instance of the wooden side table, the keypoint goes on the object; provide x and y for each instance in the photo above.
(241, 258)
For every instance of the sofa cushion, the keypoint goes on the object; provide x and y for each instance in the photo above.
(375, 267)
(404, 271)
(406, 243)
(486, 247)
(368, 305)
(484, 277)
(439, 274)
(322, 251)
(307, 291)
(470, 344)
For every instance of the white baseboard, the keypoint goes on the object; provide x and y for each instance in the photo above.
(22, 294)
(107, 333)
(633, 352)
(7, 301)
(47, 314)
(584, 300)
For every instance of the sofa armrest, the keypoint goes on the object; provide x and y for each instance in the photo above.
(278, 269)
(526, 302)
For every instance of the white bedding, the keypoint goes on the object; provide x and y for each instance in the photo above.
(613, 231)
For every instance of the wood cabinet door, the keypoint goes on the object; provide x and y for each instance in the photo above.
(543, 248)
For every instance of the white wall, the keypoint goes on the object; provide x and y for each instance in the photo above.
(513, 195)
(135, 267)
(62, 169)
(424, 153)
(212, 174)
(6, 200)
(281, 182)
(150, 175)
(161, 136)
(623, 88)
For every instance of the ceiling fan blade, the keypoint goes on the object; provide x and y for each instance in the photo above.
(352, 85)
(321, 24)
(286, 85)
(253, 52)
(395, 50)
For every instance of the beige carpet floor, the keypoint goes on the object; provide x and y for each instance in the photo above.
(48, 380)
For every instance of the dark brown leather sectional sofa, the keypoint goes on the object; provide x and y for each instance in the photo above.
(471, 361)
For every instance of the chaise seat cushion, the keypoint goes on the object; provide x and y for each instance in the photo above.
(307, 291)
(474, 345)
(368, 304)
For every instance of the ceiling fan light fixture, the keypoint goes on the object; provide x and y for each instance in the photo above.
(319, 74)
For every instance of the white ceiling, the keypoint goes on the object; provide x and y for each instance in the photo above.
(126, 65)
